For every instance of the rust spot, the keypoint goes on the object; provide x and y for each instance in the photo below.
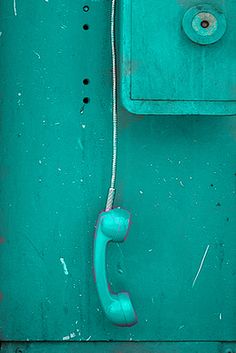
(1, 296)
(2, 240)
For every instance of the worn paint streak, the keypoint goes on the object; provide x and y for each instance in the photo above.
(201, 265)
(14, 8)
(64, 266)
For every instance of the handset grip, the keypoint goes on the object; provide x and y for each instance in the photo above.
(112, 226)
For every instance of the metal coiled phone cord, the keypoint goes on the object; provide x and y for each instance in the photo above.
(112, 190)
(113, 224)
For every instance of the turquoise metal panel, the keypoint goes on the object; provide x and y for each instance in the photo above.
(117, 347)
(176, 177)
(164, 72)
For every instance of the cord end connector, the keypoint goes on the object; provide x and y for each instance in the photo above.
(110, 199)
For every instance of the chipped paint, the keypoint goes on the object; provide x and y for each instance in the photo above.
(62, 260)
(65, 338)
(37, 54)
(68, 337)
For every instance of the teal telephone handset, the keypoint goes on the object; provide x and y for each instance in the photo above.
(112, 226)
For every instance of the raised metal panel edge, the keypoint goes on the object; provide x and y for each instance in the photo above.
(157, 107)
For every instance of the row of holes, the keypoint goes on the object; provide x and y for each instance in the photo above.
(86, 100)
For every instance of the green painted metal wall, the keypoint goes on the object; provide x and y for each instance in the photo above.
(176, 176)
(124, 347)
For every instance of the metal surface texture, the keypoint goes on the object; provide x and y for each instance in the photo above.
(118, 347)
(172, 63)
(176, 175)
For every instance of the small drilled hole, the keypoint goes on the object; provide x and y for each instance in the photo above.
(86, 81)
(86, 8)
(205, 24)
(86, 100)
(85, 27)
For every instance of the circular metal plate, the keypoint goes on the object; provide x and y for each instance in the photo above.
(204, 24)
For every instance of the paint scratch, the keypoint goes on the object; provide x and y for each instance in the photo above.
(82, 109)
(80, 144)
(14, 8)
(201, 265)
(64, 266)
(120, 249)
(37, 54)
